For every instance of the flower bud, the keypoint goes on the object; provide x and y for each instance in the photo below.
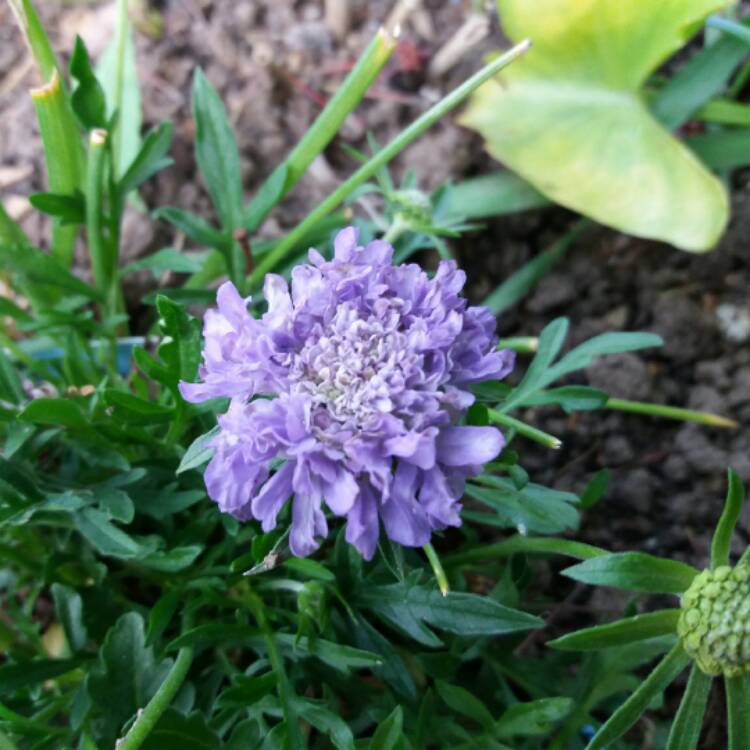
(714, 623)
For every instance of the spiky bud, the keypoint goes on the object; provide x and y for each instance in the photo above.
(714, 623)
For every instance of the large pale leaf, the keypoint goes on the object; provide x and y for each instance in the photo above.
(570, 118)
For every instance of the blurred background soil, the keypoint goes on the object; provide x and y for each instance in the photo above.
(275, 62)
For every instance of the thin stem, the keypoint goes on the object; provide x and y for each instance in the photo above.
(294, 733)
(532, 433)
(147, 718)
(94, 225)
(437, 569)
(382, 157)
(738, 711)
(670, 412)
(121, 32)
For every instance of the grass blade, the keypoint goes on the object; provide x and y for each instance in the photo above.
(526, 278)
(382, 157)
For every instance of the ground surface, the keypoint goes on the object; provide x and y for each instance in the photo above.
(274, 61)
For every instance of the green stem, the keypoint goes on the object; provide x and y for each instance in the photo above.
(35, 36)
(147, 718)
(532, 433)
(63, 156)
(437, 569)
(738, 712)
(398, 144)
(101, 263)
(520, 344)
(294, 734)
(670, 412)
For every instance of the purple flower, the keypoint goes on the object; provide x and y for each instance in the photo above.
(348, 392)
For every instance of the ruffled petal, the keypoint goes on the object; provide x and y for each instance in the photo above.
(416, 448)
(469, 446)
(275, 492)
(362, 525)
(405, 521)
(341, 494)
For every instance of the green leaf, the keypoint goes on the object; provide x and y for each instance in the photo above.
(595, 489)
(174, 731)
(723, 150)
(150, 159)
(194, 227)
(632, 709)
(522, 281)
(637, 628)
(308, 568)
(570, 398)
(104, 536)
(686, 727)
(125, 677)
(180, 348)
(32, 672)
(129, 405)
(166, 259)
(71, 209)
(536, 718)
(571, 118)
(55, 411)
(161, 615)
(270, 193)
(69, 608)
(533, 509)
(33, 266)
(722, 541)
(737, 691)
(465, 703)
(326, 722)
(173, 560)
(389, 732)
(701, 78)
(88, 97)
(122, 80)
(410, 608)
(216, 152)
(198, 452)
(634, 571)
(492, 194)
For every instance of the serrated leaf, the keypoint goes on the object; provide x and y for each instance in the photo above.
(411, 608)
(105, 537)
(125, 678)
(634, 571)
(570, 117)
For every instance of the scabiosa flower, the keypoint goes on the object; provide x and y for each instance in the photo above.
(352, 384)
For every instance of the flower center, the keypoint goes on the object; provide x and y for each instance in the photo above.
(714, 623)
(354, 367)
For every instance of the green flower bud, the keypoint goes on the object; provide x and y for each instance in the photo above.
(714, 622)
(413, 207)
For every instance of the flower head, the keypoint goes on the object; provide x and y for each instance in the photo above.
(714, 620)
(356, 379)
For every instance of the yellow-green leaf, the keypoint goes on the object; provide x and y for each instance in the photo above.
(570, 117)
